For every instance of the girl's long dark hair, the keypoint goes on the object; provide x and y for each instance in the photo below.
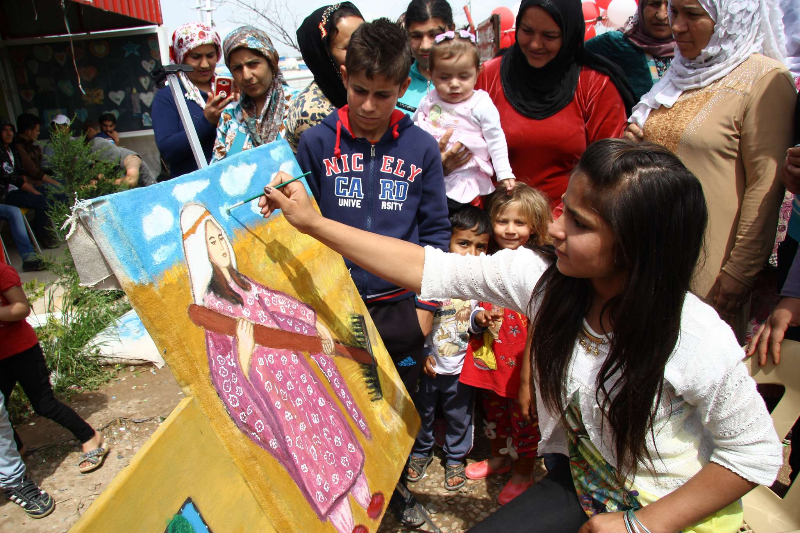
(219, 286)
(657, 212)
(424, 10)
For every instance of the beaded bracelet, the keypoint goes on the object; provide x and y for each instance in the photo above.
(632, 523)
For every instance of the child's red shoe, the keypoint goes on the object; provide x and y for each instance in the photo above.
(512, 490)
(481, 469)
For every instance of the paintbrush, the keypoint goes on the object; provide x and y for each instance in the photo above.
(247, 201)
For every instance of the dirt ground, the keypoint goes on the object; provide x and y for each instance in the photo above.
(127, 410)
(132, 406)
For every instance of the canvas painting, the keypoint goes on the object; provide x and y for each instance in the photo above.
(263, 326)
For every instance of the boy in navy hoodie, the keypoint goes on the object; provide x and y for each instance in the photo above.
(373, 169)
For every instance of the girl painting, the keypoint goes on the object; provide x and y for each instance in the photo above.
(272, 394)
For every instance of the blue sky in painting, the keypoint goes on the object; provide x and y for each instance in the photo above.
(143, 225)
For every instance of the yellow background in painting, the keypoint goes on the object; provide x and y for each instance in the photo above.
(181, 457)
(279, 257)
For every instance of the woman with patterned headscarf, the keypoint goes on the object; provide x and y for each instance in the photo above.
(644, 49)
(257, 118)
(200, 47)
(726, 110)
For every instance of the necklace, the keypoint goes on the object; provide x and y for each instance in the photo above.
(590, 343)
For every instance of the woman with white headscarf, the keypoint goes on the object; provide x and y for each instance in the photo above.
(726, 110)
(273, 395)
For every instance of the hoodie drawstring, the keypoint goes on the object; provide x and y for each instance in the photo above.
(337, 151)
(395, 133)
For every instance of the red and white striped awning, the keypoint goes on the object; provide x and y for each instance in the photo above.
(21, 19)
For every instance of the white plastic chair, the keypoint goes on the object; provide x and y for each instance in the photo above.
(765, 511)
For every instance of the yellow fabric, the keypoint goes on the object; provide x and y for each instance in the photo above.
(485, 352)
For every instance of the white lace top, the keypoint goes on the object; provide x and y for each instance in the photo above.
(709, 411)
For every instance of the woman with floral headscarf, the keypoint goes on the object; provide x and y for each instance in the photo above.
(726, 110)
(257, 118)
(200, 47)
(644, 49)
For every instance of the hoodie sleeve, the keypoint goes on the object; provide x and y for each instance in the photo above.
(309, 163)
(434, 226)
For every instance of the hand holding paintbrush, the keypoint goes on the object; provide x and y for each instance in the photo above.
(248, 200)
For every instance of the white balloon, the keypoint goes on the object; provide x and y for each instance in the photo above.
(619, 11)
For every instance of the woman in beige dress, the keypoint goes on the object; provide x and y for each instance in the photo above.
(726, 110)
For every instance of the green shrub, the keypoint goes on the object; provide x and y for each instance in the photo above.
(84, 312)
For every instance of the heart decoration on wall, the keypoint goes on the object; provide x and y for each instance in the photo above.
(43, 53)
(147, 98)
(66, 87)
(93, 96)
(82, 114)
(100, 48)
(145, 81)
(27, 94)
(33, 65)
(148, 65)
(45, 85)
(152, 43)
(155, 54)
(79, 53)
(117, 96)
(61, 57)
(88, 73)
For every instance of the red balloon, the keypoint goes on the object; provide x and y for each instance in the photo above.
(590, 32)
(590, 12)
(602, 4)
(507, 40)
(506, 17)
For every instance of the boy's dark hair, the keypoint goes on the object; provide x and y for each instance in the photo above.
(471, 218)
(26, 122)
(107, 117)
(91, 124)
(379, 47)
(424, 10)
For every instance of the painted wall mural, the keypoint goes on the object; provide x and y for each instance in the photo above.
(263, 326)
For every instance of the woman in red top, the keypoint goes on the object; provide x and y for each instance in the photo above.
(554, 97)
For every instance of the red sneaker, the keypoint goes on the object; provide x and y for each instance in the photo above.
(511, 491)
(481, 469)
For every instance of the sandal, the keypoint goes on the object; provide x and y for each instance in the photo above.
(419, 465)
(94, 457)
(454, 471)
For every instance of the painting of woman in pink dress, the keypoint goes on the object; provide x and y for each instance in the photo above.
(273, 395)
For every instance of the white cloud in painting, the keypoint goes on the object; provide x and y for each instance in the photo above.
(277, 153)
(288, 167)
(187, 191)
(163, 252)
(157, 222)
(236, 180)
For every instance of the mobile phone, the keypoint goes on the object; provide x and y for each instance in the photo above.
(223, 86)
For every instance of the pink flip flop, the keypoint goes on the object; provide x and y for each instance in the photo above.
(481, 470)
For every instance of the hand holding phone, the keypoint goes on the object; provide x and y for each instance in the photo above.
(223, 86)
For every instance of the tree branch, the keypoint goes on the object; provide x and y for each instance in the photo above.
(274, 16)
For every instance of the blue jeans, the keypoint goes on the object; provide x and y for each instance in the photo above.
(40, 202)
(11, 466)
(14, 217)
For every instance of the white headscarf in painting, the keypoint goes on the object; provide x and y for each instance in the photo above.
(741, 28)
(193, 228)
